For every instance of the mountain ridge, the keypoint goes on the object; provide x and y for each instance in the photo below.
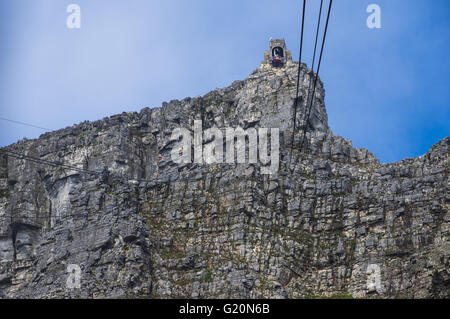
(330, 221)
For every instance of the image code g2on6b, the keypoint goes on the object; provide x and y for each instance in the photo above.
(246, 308)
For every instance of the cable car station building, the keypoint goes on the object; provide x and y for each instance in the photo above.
(277, 55)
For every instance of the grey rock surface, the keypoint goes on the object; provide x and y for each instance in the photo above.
(332, 221)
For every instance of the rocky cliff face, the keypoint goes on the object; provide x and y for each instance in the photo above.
(332, 221)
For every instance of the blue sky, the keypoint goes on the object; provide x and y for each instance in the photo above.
(386, 89)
